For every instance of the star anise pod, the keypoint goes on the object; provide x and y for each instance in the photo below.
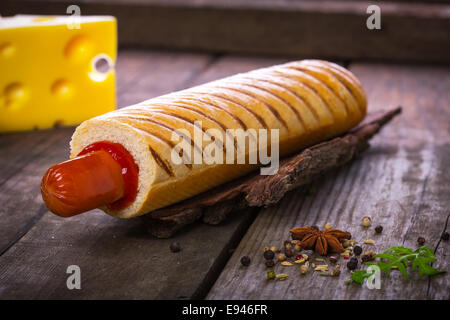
(321, 242)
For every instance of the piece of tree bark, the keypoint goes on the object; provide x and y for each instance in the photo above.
(255, 190)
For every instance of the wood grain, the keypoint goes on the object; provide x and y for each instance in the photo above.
(401, 182)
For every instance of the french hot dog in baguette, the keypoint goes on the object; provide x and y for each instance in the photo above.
(308, 101)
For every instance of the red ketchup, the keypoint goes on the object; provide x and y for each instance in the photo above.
(103, 173)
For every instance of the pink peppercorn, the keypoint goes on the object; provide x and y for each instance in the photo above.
(298, 257)
(345, 258)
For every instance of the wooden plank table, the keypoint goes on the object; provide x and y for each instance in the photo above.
(402, 182)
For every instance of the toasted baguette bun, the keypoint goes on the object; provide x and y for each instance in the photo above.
(308, 101)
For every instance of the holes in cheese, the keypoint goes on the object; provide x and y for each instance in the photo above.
(16, 94)
(101, 66)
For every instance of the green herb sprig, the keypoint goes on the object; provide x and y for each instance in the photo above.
(400, 258)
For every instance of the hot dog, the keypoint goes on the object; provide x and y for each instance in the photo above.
(123, 161)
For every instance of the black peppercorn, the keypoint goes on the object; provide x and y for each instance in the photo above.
(421, 241)
(445, 236)
(379, 229)
(245, 261)
(175, 247)
(352, 264)
(270, 263)
(269, 255)
(357, 250)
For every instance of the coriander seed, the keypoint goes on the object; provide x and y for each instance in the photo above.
(281, 257)
(304, 269)
(366, 221)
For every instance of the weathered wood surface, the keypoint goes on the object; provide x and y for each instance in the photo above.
(329, 29)
(118, 258)
(402, 182)
(255, 190)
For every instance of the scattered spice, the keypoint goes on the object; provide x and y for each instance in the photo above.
(273, 248)
(322, 267)
(336, 271)
(320, 259)
(282, 276)
(346, 243)
(270, 274)
(368, 256)
(270, 263)
(175, 247)
(300, 260)
(321, 241)
(281, 257)
(346, 253)
(269, 255)
(287, 245)
(286, 264)
(421, 241)
(445, 236)
(346, 257)
(297, 248)
(245, 261)
(304, 268)
(266, 248)
(327, 226)
(366, 221)
(333, 259)
(379, 229)
(357, 250)
(289, 253)
(369, 241)
(352, 264)
(294, 242)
